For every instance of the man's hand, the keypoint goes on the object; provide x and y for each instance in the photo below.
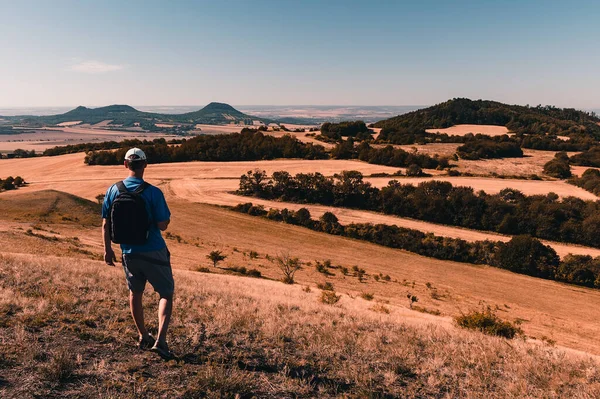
(109, 256)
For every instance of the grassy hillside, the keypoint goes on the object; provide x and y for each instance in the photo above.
(125, 115)
(517, 118)
(66, 332)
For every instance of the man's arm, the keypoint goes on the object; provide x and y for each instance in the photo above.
(109, 254)
(163, 225)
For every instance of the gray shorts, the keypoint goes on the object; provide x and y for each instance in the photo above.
(154, 267)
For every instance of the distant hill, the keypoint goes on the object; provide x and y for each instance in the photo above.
(517, 118)
(127, 116)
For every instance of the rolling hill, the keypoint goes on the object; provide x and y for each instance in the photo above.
(127, 116)
(517, 118)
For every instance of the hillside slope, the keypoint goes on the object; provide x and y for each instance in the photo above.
(66, 332)
(517, 118)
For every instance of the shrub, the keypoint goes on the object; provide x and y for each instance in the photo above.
(326, 286)
(367, 296)
(254, 273)
(215, 257)
(558, 167)
(329, 297)
(288, 266)
(488, 323)
(411, 299)
(60, 367)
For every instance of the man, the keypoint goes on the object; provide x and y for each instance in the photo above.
(149, 261)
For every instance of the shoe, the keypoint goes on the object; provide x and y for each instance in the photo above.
(163, 351)
(146, 342)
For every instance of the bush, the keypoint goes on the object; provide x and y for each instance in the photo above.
(326, 286)
(288, 266)
(558, 167)
(329, 297)
(367, 296)
(488, 323)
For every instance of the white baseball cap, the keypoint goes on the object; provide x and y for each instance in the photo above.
(135, 154)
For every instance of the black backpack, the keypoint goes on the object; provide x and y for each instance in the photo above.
(129, 219)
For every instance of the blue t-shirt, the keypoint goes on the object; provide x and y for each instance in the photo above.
(157, 210)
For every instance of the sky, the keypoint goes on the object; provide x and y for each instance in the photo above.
(288, 52)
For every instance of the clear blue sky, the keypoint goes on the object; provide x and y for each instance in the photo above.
(298, 52)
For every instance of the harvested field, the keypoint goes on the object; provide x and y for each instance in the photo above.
(211, 182)
(549, 310)
(72, 123)
(461, 130)
(51, 137)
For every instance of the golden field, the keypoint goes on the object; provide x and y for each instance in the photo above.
(67, 328)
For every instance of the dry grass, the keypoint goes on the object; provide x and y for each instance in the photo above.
(566, 314)
(66, 333)
(461, 130)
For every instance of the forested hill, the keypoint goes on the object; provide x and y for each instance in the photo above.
(517, 118)
(127, 116)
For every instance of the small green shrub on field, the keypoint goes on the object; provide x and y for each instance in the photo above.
(488, 323)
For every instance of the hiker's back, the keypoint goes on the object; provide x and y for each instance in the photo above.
(135, 230)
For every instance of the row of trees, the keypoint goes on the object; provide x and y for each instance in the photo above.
(388, 156)
(249, 145)
(522, 254)
(488, 148)
(11, 183)
(508, 212)
(535, 142)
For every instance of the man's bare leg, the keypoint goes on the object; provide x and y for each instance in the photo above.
(165, 308)
(137, 311)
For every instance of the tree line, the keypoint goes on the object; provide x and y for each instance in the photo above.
(405, 136)
(388, 156)
(511, 212)
(249, 145)
(522, 254)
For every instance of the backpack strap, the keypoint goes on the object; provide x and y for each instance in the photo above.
(121, 187)
(141, 188)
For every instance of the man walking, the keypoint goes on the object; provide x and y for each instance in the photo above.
(134, 213)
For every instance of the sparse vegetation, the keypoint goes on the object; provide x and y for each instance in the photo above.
(288, 266)
(215, 257)
(329, 297)
(488, 323)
